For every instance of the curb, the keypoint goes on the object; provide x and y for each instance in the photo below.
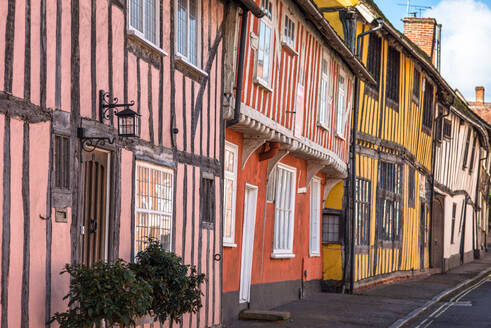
(414, 314)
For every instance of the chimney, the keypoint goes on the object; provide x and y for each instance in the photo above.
(480, 96)
(422, 31)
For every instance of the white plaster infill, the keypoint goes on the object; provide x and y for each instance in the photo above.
(258, 125)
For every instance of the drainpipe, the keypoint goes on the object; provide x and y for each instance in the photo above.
(353, 157)
(432, 181)
(240, 68)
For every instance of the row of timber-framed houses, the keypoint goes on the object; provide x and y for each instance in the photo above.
(286, 145)
(237, 156)
(400, 199)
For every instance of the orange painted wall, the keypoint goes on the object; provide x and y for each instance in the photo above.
(271, 270)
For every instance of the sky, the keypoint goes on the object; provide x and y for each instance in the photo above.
(466, 38)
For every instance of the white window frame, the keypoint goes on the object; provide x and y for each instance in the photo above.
(141, 34)
(268, 23)
(341, 108)
(230, 241)
(315, 217)
(136, 209)
(280, 199)
(325, 97)
(286, 40)
(185, 56)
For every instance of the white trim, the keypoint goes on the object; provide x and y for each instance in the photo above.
(185, 57)
(141, 35)
(132, 32)
(162, 169)
(234, 149)
(344, 111)
(288, 251)
(269, 24)
(315, 252)
(325, 123)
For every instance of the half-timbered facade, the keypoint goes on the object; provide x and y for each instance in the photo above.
(390, 193)
(460, 209)
(71, 196)
(288, 94)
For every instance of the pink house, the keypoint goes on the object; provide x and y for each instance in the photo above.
(73, 190)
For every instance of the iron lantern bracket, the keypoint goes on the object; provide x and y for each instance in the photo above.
(108, 104)
(89, 144)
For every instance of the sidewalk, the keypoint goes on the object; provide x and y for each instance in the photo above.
(378, 307)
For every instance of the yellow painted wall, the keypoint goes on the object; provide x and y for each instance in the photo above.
(335, 198)
(333, 262)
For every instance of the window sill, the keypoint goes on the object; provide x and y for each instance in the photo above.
(132, 33)
(185, 65)
(371, 91)
(415, 100)
(289, 48)
(322, 125)
(263, 84)
(231, 245)
(282, 255)
(426, 130)
(315, 254)
(339, 136)
(392, 104)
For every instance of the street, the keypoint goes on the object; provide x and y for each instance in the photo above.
(469, 308)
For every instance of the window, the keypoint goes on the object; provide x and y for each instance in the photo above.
(153, 205)
(473, 153)
(187, 30)
(289, 33)
(325, 101)
(389, 201)
(454, 213)
(411, 186)
(62, 162)
(362, 211)
(229, 194)
(416, 84)
(330, 229)
(315, 213)
(393, 73)
(428, 106)
(341, 112)
(284, 212)
(207, 200)
(144, 19)
(466, 149)
(447, 128)
(374, 56)
(264, 56)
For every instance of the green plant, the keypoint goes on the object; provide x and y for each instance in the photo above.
(176, 286)
(105, 291)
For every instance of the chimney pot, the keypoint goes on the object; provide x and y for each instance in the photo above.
(480, 95)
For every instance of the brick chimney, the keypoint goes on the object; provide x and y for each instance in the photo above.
(422, 31)
(480, 96)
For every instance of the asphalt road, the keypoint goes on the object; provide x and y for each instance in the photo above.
(469, 308)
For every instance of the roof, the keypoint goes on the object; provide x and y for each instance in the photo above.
(335, 42)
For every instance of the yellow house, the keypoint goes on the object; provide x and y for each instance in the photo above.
(391, 202)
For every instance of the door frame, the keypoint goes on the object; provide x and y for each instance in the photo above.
(248, 188)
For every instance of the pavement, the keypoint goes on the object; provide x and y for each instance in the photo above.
(393, 305)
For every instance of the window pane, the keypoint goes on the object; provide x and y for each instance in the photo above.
(182, 7)
(193, 32)
(150, 21)
(136, 14)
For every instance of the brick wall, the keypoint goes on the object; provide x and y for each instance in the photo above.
(422, 31)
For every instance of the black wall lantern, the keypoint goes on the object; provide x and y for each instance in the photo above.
(128, 121)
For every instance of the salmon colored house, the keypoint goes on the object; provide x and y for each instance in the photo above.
(74, 189)
(288, 94)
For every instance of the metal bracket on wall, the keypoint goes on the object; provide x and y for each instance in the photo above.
(89, 144)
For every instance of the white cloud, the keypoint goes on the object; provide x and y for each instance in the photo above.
(466, 44)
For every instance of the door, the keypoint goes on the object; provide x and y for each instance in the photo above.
(250, 200)
(437, 233)
(95, 181)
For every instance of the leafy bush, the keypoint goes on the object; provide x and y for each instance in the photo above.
(105, 291)
(176, 287)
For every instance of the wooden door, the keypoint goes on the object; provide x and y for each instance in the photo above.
(437, 233)
(94, 173)
(247, 243)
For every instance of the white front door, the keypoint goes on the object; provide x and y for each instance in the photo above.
(250, 201)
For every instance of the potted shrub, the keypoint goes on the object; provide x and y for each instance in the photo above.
(104, 292)
(176, 287)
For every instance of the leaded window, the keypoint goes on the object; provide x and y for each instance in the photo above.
(389, 199)
(289, 32)
(153, 205)
(187, 30)
(362, 211)
(62, 162)
(374, 56)
(393, 75)
(428, 106)
(144, 18)
(264, 52)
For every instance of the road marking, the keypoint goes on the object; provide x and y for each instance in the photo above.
(453, 301)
